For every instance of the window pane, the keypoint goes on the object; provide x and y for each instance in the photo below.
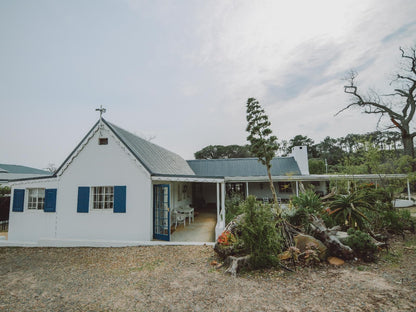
(36, 198)
(103, 197)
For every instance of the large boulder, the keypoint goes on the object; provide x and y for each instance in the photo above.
(304, 242)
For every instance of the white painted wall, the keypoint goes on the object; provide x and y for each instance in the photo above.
(30, 225)
(181, 194)
(95, 165)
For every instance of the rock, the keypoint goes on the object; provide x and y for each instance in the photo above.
(285, 255)
(303, 242)
(335, 261)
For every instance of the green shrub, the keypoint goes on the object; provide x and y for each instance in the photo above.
(309, 201)
(232, 207)
(297, 216)
(396, 221)
(380, 199)
(304, 205)
(362, 245)
(383, 216)
(259, 234)
(4, 190)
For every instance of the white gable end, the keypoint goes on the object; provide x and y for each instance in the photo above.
(94, 163)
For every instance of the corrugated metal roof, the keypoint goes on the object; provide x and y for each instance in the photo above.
(21, 169)
(243, 167)
(154, 158)
(12, 172)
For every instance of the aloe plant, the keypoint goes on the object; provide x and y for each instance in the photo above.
(348, 210)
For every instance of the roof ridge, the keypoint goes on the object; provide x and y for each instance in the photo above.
(240, 158)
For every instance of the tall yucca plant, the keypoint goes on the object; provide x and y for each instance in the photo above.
(263, 144)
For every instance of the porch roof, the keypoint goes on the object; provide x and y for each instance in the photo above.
(187, 178)
(243, 167)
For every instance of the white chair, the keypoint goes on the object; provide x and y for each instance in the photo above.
(191, 214)
(188, 212)
(179, 217)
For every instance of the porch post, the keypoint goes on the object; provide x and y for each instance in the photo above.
(246, 189)
(408, 190)
(218, 201)
(297, 188)
(223, 201)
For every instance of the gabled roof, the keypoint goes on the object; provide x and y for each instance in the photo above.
(12, 172)
(156, 159)
(243, 167)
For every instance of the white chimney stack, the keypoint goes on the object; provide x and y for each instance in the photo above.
(300, 153)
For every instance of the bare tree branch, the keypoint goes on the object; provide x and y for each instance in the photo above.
(374, 104)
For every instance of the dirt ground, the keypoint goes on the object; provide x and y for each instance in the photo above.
(181, 278)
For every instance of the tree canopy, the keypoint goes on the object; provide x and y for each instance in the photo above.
(221, 151)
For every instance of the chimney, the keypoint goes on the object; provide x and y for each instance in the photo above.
(300, 153)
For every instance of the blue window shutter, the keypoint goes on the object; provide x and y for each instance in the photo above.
(18, 200)
(120, 199)
(50, 200)
(83, 199)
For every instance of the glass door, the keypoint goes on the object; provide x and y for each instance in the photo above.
(161, 212)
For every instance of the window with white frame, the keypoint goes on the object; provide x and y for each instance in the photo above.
(36, 198)
(102, 197)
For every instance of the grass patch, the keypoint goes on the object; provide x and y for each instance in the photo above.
(410, 242)
(392, 258)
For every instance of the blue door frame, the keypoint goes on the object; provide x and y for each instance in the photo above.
(161, 212)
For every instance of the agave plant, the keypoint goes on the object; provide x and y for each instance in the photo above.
(348, 210)
(308, 201)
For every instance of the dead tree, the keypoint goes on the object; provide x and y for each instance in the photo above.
(399, 108)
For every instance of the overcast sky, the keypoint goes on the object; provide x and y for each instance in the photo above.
(181, 71)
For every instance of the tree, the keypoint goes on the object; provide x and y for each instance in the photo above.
(302, 140)
(402, 106)
(221, 151)
(329, 150)
(51, 168)
(316, 166)
(263, 144)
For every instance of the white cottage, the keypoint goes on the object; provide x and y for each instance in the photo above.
(113, 186)
(117, 187)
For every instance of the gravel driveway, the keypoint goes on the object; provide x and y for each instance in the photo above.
(181, 278)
